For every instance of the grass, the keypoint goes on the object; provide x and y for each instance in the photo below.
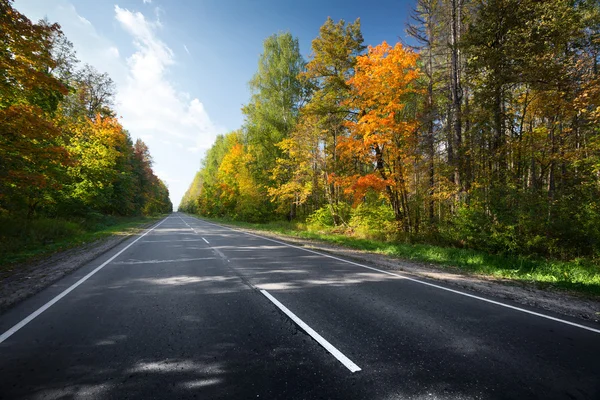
(28, 240)
(581, 276)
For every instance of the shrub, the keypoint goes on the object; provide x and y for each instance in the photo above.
(374, 221)
(18, 233)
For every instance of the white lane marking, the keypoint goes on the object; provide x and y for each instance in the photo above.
(161, 261)
(185, 222)
(169, 241)
(193, 230)
(220, 254)
(49, 304)
(418, 281)
(328, 346)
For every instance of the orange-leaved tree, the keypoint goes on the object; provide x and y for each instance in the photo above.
(383, 139)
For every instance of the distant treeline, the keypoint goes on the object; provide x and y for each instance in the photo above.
(63, 151)
(484, 134)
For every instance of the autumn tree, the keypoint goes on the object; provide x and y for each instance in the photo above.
(61, 150)
(94, 146)
(189, 201)
(31, 158)
(63, 54)
(239, 191)
(301, 171)
(331, 64)
(489, 139)
(382, 141)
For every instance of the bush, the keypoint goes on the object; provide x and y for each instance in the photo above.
(528, 226)
(321, 218)
(46, 230)
(19, 233)
(375, 221)
(324, 218)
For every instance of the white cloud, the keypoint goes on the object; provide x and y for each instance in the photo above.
(157, 12)
(186, 49)
(175, 125)
(113, 51)
(147, 1)
(149, 101)
(91, 47)
(83, 20)
(151, 104)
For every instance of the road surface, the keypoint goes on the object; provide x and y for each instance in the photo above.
(195, 310)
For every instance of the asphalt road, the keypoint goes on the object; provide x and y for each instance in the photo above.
(194, 310)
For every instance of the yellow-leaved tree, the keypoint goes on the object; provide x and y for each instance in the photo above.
(239, 192)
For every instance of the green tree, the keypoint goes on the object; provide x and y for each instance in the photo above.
(277, 95)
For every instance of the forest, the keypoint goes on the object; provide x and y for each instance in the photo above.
(482, 131)
(66, 162)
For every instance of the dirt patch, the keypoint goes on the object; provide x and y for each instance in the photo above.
(26, 279)
(521, 292)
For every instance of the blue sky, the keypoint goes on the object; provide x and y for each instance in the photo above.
(181, 67)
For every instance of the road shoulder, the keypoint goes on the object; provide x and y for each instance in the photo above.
(27, 279)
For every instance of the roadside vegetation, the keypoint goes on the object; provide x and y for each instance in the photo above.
(69, 171)
(479, 147)
(580, 276)
(28, 240)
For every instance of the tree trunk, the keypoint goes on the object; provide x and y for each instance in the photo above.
(456, 92)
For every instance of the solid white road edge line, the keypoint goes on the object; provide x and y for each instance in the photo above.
(49, 304)
(205, 240)
(417, 281)
(328, 346)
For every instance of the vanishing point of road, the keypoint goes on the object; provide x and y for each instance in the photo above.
(191, 310)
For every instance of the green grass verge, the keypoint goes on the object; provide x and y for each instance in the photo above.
(23, 241)
(580, 276)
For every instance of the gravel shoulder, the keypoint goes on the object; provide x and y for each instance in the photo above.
(26, 279)
(561, 302)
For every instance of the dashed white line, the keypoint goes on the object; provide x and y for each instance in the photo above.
(135, 262)
(49, 304)
(205, 240)
(328, 346)
(562, 321)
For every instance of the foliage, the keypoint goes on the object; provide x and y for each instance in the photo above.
(374, 222)
(326, 111)
(326, 216)
(63, 154)
(277, 95)
(225, 186)
(382, 141)
(483, 136)
(189, 201)
(23, 241)
(579, 275)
